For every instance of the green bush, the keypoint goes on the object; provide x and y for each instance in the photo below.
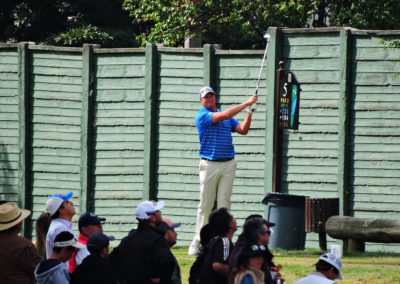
(91, 34)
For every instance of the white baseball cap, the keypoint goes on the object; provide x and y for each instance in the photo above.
(55, 201)
(333, 260)
(205, 90)
(145, 208)
(72, 242)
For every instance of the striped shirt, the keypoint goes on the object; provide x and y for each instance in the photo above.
(215, 138)
(226, 248)
(219, 249)
(56, 226)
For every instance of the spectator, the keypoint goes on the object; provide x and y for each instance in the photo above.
(250, 268)
(53, 269)
(61, 211)
(256, 230)
(327, 270)
(18, 256)
(215, 267)
(96, 267)
(42, 225)
(240, 242)
(144, 256)
(88, 224)
(196, 272)
(168, 228)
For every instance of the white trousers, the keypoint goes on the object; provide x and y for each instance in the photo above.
(216, 181)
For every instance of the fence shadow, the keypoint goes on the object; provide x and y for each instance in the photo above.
(7, 190)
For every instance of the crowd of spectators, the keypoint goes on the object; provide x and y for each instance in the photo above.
(144, 255)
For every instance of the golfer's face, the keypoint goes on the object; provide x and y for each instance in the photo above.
(208, 101)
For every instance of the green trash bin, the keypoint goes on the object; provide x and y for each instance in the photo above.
(287, 212)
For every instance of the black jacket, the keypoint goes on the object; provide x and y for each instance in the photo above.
(94, 269)
(144, 255)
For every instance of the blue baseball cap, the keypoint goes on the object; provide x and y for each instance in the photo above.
(54, 202)
(64, 197)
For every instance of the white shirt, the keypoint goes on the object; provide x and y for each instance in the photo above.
(56, 226)
(315, 278)
(81, 254)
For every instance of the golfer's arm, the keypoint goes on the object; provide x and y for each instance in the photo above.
(243, 127)
(230, 112)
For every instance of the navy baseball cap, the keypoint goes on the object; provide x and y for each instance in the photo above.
(98, 241)
(89, 218)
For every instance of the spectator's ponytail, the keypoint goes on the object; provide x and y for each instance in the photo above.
(41, 228)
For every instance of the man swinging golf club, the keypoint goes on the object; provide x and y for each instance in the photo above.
(217, 164)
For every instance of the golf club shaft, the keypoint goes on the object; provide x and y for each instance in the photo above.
(253, 106)
(262, 66)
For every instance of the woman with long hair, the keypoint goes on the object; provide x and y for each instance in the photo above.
(250, 266)
(41, 228)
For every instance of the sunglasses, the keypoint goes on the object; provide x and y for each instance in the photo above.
(258, 248)
(268, 232)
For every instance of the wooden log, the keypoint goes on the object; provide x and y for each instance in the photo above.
(364, 229)
(355, 246)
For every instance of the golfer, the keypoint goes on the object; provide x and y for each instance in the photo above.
(217, 165)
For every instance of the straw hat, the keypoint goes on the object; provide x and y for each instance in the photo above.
(11, 215)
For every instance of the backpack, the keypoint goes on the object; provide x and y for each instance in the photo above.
(198, 269)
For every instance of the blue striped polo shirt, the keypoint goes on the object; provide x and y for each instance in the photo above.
(215, 138)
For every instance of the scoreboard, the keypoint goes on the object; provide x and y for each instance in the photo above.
(289, 101)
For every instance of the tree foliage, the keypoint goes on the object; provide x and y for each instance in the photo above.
(66, 22)
(91, 34)
(242, 23)
(234, 23)
(365, 14)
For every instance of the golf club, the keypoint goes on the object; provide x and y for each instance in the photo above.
(267, 37)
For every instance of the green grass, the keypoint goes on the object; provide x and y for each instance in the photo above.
(358, 268)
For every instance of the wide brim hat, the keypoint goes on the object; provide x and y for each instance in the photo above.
(11, 215)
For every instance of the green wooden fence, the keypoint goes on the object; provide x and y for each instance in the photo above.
(116, 126)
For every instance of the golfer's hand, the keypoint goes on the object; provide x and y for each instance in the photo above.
(252, 100)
